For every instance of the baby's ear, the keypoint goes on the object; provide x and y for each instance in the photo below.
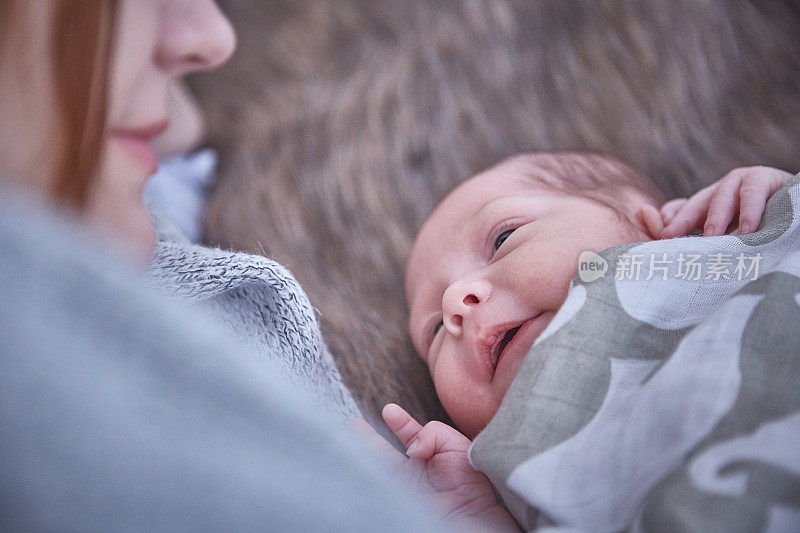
(650, 220)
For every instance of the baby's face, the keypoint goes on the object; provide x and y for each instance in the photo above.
(489, 269)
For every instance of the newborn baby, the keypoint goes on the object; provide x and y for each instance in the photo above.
(492, 265)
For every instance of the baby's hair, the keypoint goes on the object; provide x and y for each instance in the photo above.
(600, 178)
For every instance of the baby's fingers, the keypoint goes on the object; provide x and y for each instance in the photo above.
(758, 184)
(689, 215)
(723, 205)
(401, 423)
(436, 438)
(650, 217)
(669, 209)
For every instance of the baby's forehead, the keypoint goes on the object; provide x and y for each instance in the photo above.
(471, 195)
(447, 229)
(468, 199)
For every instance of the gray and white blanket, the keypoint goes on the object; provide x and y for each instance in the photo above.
(263, 306)
(665, 394)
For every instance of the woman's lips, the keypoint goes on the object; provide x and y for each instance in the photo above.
(136, 141)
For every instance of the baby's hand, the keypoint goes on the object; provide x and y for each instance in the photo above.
(743, 190)
(437, 467)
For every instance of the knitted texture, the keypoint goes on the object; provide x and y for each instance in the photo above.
(263, 305)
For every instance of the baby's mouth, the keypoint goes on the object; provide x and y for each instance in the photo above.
(497, 352)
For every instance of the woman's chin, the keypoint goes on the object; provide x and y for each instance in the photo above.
(128, 231)
(139, 247)
(142, 242)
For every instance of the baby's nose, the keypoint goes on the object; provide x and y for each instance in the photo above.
(460, 300)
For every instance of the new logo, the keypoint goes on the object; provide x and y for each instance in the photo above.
(591, 266)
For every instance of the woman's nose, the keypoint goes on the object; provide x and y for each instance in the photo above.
(460, 300)
(195, 35)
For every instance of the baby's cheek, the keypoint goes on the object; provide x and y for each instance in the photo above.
(469, 404)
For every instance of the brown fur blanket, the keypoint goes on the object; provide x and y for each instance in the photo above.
(341, 123)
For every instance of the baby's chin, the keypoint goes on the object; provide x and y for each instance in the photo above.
(508, 367)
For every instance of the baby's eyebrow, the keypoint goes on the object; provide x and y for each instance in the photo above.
(486, 207)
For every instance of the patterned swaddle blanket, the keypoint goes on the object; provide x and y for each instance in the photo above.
(665, 394)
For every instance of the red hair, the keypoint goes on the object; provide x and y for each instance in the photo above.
(81, 42)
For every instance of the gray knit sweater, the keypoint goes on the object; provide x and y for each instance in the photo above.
(261, 303)
(121, 410)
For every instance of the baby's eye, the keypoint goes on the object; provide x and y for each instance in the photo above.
(439, 326)
(502, 238)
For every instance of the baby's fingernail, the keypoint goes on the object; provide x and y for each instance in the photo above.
(414, 446)
(744, 228)
(708, 230)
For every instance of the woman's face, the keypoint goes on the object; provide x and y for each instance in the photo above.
(156, 43)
